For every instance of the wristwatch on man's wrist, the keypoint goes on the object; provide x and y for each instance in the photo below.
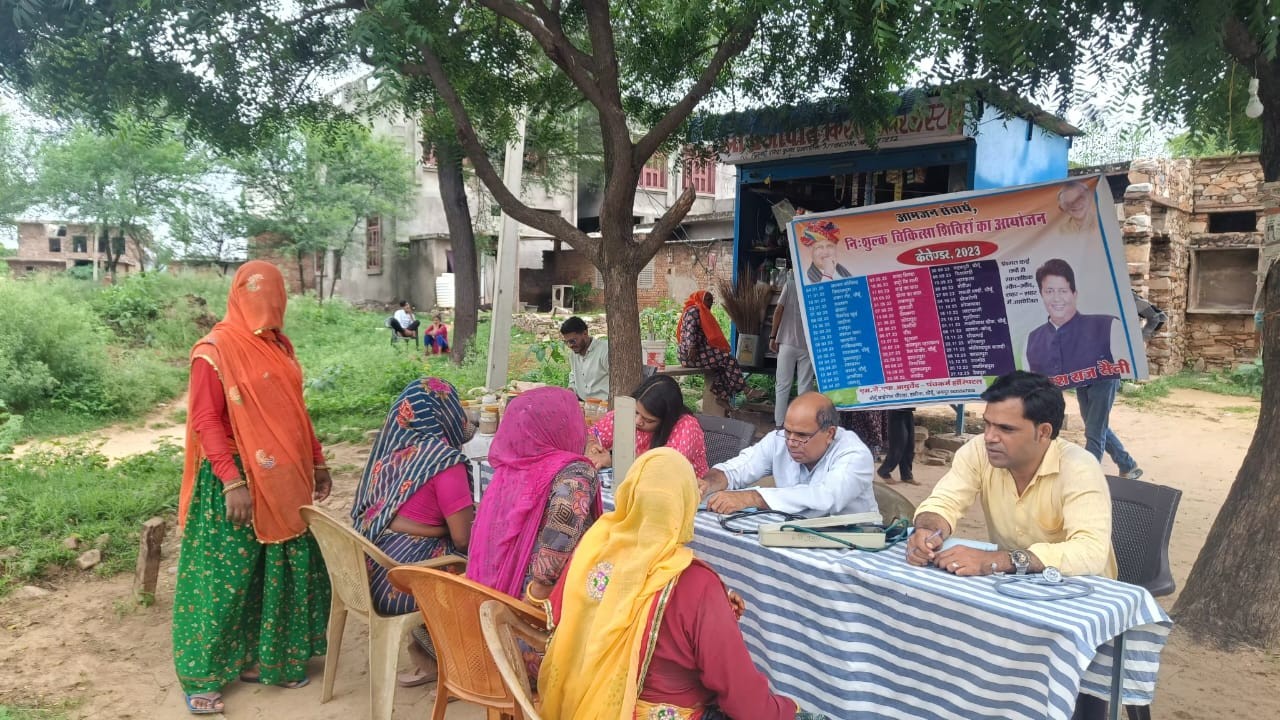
(1021, 561)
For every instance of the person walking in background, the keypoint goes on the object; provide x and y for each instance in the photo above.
(700, 343)
(414, 498)
(403, 320)
(902, 447)
(662, 420)
(794, 364)
(437, 335)
(588, 360)
(1071, 341)
(252, 595)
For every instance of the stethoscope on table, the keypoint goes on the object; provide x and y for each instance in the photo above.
(1051, 579)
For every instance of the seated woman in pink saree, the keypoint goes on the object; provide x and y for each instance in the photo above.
(543, 497)
(662, 420)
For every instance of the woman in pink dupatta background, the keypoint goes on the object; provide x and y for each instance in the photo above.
(543, 497)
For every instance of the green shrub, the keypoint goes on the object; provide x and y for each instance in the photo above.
(50, 496)
(49, 345)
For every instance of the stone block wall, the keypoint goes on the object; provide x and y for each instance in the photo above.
(1227, 183)
(1167, 210)
(678, 269)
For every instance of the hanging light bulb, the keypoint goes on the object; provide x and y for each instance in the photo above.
(1254, 108)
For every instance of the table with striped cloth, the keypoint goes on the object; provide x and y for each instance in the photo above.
(855, 634)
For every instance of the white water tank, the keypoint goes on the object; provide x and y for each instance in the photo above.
(444, 290)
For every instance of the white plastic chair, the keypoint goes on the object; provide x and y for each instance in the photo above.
(501, 628)
(344, 553)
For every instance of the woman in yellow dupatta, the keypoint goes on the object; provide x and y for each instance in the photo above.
(634, 610)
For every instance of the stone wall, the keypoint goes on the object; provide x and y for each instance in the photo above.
(678, 270)
(1167, 213)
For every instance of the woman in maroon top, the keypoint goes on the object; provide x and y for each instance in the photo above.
(641, 628)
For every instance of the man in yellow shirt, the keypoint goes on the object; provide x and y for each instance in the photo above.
(1046, 500)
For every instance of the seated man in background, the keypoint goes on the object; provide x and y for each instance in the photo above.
(1046, 500)
(818, 468)
(588, 361)
(403, 322)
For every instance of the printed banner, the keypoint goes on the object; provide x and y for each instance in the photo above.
(928, 301)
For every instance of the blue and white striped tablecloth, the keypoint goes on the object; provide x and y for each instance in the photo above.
(856, 634)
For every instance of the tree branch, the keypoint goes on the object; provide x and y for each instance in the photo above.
(549, 35)
(666, 224)
(1239, 42)
(603, 51)
(325, 10)
(733, 45)
(551, 224)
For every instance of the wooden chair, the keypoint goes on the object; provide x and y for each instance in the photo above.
(501, 628)
(345, 552)
(451, 606)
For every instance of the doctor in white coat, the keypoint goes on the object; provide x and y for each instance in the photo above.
(818, 469)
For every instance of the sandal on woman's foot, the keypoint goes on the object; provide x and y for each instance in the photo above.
(414, 679)
(295, 684)
(205, 703)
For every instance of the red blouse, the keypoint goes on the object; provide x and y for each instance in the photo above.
(207, 408)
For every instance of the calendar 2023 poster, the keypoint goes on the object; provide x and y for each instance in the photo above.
(928, 301)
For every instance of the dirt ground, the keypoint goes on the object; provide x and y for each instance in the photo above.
(86, 647)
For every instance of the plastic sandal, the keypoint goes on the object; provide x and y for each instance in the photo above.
(216, 706)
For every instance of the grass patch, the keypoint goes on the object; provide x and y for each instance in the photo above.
(10, 712)
(1244, 381)
(46, 497)
(1241, 409)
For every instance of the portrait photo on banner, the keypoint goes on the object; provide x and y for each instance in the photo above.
(930, 299)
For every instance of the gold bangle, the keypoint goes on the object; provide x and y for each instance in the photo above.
(238, 484)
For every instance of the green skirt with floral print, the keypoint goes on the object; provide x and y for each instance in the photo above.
(240, 603)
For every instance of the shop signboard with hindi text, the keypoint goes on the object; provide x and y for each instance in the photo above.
(928, 301)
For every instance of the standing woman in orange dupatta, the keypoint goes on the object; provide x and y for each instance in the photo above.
(701, 343)
(252, 597)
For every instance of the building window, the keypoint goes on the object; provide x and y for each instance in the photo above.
(55, 244)
(654, 174)
(1233, 222)
(79, 244)
(1223, 281)
(702, 175)
(644, 281)
(117, 245)
(373, 244)
(102, 244)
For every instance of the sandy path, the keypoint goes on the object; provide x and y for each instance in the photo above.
(124, 439)
(86, 642)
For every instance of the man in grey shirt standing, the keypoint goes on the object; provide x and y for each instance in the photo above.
(787, 340)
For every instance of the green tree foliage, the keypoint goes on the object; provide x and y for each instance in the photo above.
(307, 191)
(234, 68)
(122, 181)
(15, 176)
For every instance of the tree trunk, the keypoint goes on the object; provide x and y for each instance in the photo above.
(622, 308)
(302, 278)
(1230, 596)
(319, 276)
(113, 259)
(466, 262)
